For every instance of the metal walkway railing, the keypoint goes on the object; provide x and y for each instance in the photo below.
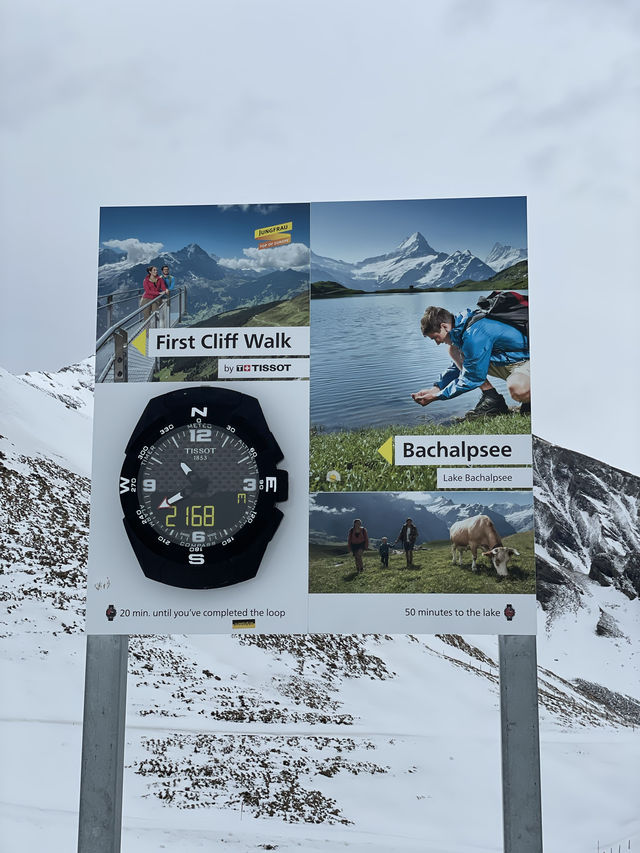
(116, 359)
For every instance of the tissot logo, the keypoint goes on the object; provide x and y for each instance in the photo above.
(264, 368)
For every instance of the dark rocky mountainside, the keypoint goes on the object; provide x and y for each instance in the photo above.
(587, 518)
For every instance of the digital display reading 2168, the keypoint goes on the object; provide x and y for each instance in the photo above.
(198, 485)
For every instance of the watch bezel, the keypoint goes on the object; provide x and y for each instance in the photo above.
(236, 413)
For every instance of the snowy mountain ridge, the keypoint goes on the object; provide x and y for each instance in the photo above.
(49, 415)
(500, 257)
(413, 263)
(213, 288)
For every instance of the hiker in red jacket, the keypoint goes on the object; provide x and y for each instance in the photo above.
(153, 286)
(357, 542)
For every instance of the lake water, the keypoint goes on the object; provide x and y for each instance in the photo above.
(368, 356)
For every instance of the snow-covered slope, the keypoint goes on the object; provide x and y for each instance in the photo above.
(49, 416)
(45, 459)
(587, 522)
(304, 743)
(500, 257)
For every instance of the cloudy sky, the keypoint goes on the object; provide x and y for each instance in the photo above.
(223, 230)
(112, 103)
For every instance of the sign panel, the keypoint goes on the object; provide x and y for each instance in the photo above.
(332, 435)
(182, 343)
(465, 449)
(485, 478)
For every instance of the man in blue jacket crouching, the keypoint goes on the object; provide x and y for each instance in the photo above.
(483, 348)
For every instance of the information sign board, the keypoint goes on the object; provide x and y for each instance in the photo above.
(306, 420)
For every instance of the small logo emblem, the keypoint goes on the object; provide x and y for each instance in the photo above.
(111, 612)
(509, 612)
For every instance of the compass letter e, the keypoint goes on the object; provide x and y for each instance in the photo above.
(271, 484)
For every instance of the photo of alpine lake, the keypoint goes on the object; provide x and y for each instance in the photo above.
(374, 345)
(368, 353)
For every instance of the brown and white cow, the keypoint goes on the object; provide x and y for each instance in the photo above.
(479, 532)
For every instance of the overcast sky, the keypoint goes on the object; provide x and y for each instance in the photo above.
(114, 103)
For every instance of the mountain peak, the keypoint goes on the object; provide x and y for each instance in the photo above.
(193, 249)
(415, 244)
(502, 256)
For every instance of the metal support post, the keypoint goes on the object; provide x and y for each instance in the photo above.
(103, 730)
(521, 804)
(120, 366)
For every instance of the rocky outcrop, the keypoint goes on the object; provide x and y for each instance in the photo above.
(587, 524)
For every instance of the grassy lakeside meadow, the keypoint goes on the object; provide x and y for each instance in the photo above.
(354, 454)
(332, 570)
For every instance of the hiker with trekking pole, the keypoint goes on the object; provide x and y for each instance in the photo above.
(492, 340)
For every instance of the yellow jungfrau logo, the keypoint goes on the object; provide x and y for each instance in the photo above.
(272, 230)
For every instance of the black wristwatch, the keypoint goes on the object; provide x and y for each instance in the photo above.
(199, 486)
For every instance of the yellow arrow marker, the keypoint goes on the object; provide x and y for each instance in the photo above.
(140, 342)
(386, 450)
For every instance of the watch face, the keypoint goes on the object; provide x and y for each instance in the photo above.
(199, 485)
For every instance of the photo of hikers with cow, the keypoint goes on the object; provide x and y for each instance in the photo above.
(414, 339)
(430, 542)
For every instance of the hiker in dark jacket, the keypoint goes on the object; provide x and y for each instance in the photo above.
(408, 536)
(484, 348)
